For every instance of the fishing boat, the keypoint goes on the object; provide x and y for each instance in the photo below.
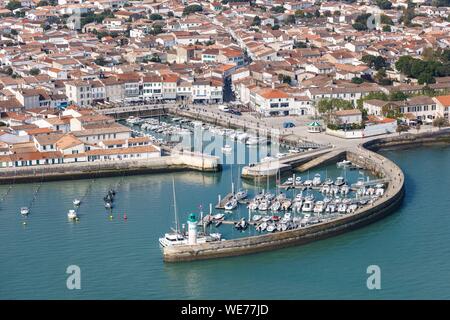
(241, 194)
(339, 181)
(227, 149)
(24, 211)
(316, 180)
(231, 205)
(72, 214)
(76, 202)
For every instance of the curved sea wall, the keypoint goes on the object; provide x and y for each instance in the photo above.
(381, 166)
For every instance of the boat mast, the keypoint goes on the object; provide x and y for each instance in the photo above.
(175, 206)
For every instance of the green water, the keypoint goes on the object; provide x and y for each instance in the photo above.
(121, 258)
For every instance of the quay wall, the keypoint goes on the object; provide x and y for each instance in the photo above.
(69, 171)
(393, 197)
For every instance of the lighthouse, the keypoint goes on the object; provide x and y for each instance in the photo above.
(192, 229)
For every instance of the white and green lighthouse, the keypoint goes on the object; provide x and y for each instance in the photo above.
(192, 229)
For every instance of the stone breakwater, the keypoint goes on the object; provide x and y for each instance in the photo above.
(379, 165)
(68, 171)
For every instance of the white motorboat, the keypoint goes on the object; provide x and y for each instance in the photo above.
(293, 151)
(379, 192)
(76, 202)
(289, 181)
(72, 214)
(271, 228)
(344, 163)
(370, 191)
(342, 208)
(286, 204)
(281, 197)
(299, 197)
(218, 216)
(339, 181)
(242, 136)
(316, 180)
(261, 227)
(308, 183)
(24, 211)
(345, 189)
(241, 194)
(330, 208)
(108, 205)
(319, 207)
(352, 208)
(325, 189)
(328, 182)
(263, 205)
(307, 206)
(280, 155)
(269, 196)
(298, 181)
(253, 205)
(227, 149)
(231, 205)
(276, 205)
(256, 217)
(297, 206)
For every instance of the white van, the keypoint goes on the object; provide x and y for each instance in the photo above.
(224, 108)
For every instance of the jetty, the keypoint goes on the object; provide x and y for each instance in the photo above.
(290, 162)
(221, 203)
(382, 167)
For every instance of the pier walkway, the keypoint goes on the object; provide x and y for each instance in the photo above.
(272, 168)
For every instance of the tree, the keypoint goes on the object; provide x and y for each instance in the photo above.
(13, 5)
(284, 78)
(170, 14)
(256, 21)
(278, 9)
(275, 27)
(376, 62)
(384, 4)
(440, 122)
(387, 28)
(290, 19)
(100, 60)
(357, 80)
(35, 71)
(398, 96)
(192, 9)
(155, 16)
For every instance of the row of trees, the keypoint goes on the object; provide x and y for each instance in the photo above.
(425, 71)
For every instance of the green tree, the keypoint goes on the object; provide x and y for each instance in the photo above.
(278, 9)
(13, 5)
(284, 78)
(155, 16)
(357, 80)
(398, 96)
(290, 19)
(387, 28)
(100, 60)
(192, 9)
(440, 122)
(384, 4)
(35, 71)
(256, 21)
